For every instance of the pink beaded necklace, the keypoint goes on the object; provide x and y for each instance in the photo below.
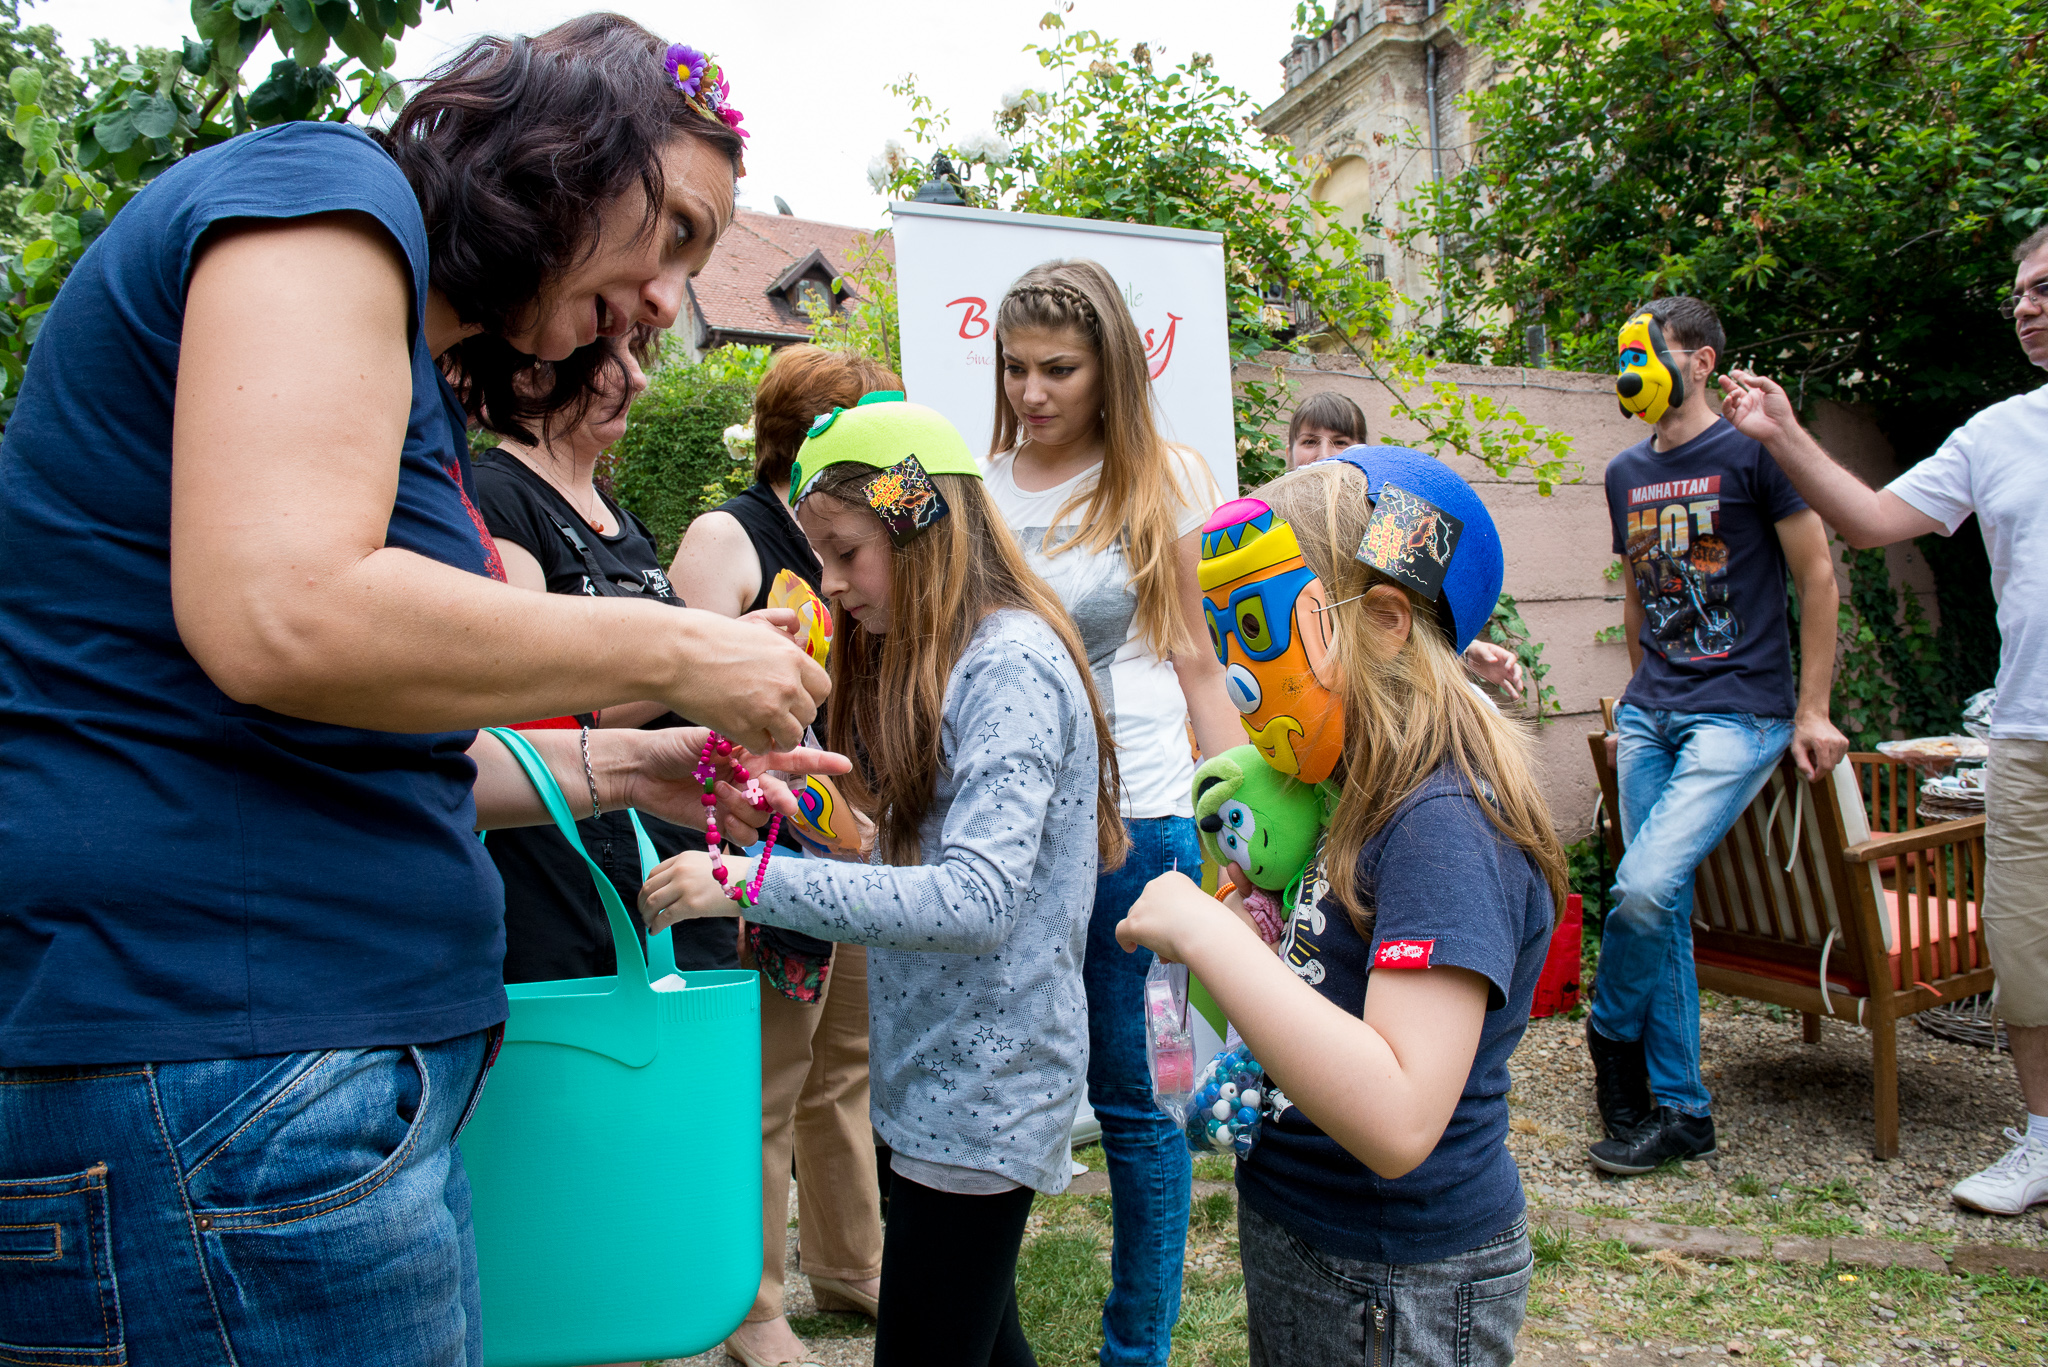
(706, 773)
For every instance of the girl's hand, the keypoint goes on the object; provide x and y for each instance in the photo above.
(681, 888)
(655, 771)
(1173, 916)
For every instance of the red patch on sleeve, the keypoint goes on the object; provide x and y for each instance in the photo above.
(1403, 954)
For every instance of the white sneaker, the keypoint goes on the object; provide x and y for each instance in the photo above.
(2013, 1183)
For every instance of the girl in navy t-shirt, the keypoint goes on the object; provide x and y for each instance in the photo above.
(1381, 1217)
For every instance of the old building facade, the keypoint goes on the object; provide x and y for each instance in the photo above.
(1375, 99)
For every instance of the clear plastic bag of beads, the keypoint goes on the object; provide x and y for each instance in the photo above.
(1169, 1038)
(1229, 1103)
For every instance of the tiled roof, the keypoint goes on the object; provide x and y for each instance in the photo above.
(732, 292)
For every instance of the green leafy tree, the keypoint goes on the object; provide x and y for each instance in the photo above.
(91, 139)
(1842, 179)
(1122, 136)
(673, 461)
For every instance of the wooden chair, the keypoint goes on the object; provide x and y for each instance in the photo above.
(1790, 908)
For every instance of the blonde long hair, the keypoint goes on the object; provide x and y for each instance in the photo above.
(1139, 493)
(889, 690)
(1407, 706)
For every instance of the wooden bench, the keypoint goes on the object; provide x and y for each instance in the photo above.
(1791, 908)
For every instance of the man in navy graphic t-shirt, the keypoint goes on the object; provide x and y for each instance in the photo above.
(1709, 527)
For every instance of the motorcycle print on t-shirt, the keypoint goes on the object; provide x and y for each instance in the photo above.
(1680, 562)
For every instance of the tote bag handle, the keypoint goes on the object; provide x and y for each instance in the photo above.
(619, 1023)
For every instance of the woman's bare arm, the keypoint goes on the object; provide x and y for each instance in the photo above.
(716, 567)
(285, 467)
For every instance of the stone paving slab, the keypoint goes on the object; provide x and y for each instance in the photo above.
(1707, 1244)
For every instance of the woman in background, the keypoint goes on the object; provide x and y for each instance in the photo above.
(1325, 424)
(558, 532)
(814, 995)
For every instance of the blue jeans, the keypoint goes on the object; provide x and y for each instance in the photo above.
(1685, 777)
(1151, 1176)
(1303, 1305)
(291, 1209)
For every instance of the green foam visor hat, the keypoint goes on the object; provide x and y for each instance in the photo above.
(904, 443)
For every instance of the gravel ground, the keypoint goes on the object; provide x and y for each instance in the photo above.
(1790, 1118)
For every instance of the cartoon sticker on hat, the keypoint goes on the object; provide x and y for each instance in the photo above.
(1410, 540)
(906, 500)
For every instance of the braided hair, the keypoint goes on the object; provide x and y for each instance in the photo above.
(1144, 485)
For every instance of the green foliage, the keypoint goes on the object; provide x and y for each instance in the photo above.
(1124, 137)
(1842, 180)
(1893, 679)
(1589, 875)
(1505, 628)
(1616, 635)
(91, 139)
(672, 463)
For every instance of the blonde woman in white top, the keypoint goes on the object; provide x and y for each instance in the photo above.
(1111, 514)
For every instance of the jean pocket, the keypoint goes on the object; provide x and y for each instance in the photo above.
(59, 1306)
(1490, 1313)
(338, 1128)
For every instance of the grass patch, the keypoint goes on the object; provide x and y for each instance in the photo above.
(1214, 1167)
(1584, 1285)
(832, 1325)
(1063, 1276)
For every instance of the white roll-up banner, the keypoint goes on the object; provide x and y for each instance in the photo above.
(953, 266)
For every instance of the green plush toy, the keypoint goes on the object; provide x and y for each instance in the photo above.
(1256, 819)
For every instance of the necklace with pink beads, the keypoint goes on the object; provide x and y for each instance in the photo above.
(706, 773)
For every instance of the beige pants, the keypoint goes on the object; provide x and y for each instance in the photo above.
(2016, 878)
(814, 1098)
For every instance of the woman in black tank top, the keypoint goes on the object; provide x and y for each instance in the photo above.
(814, 999)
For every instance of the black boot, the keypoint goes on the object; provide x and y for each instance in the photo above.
(1621, 1082)
(1666, 1135)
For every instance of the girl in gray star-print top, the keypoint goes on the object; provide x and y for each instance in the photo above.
(981, 758)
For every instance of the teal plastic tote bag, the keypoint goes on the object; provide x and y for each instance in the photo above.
(614, 1158)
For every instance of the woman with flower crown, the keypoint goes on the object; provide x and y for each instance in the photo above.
(249, 953)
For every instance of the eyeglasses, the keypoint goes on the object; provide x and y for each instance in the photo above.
(2038, 292)
(1260, 615)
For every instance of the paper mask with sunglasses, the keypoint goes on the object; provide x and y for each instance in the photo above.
(1262, 600)
(1649, 381)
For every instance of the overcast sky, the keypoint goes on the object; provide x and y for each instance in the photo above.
(809, 75)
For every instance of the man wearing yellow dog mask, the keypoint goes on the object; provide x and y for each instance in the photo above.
(1710, 528)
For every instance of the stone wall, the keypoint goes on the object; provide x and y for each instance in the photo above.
(1559, 547)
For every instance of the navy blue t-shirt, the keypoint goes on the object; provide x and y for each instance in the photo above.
(1445, 889)
(188, 877)
(1698, 527)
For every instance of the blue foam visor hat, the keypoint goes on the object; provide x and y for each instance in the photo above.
(1472, 580)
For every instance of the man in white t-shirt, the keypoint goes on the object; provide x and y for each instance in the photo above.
(1996, 466)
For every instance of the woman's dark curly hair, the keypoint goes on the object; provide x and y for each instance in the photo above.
(514, 149)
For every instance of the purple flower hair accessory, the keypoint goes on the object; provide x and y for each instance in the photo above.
(703, 85)
(686, 67)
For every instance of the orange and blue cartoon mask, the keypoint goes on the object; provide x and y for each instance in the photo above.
(1262, 600)
(1648, 379)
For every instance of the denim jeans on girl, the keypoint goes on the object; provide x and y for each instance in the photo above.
(1685, 777)
(1151, 1174)
(291, 1209)
(1305, 1306)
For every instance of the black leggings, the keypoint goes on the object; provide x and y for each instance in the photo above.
(949, 1279)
